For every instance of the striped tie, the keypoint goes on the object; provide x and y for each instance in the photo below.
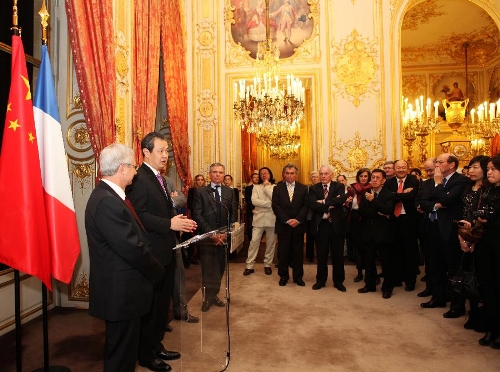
(290, 191)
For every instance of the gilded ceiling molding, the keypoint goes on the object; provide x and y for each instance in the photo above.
(308, 51)
(354, 67)
(206, 111)
(357, 153)
(421, 13)
(414, 86)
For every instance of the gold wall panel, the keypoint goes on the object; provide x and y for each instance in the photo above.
(355, 67)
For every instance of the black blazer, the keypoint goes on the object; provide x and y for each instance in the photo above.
(408, 198)
(155, 210)
(374, 226)
(284, 209)
(122, 268)
(336, 198)
(248, 199)
(204, 208)
(450, 196)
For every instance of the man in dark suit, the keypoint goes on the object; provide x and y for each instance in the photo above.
(404, 224)
(122, 268)
(213, 207)
(375, 209)
(443, 203)
(329, 225)
(290, 205)
(151, 199)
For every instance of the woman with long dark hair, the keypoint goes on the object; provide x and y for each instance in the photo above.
(472, 201)
(361, 186)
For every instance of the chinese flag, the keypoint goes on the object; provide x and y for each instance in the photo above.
(24, 241)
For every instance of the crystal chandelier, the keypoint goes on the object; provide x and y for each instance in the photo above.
(268, 108)
(483, 125)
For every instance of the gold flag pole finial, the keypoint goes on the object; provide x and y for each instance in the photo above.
(16, 30)
(44, 15)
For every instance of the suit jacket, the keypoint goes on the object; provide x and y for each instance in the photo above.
(407, 198)
(248, 198)
(262, 197)
(450, 196)
(122, 268)
(204, 208)
(375, 217)
(336, 198)
(155, 210)
(284, 209)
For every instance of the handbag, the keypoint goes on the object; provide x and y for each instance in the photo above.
(464, 282)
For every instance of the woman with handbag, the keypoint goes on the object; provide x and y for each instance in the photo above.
(472, 202)
(487, 252)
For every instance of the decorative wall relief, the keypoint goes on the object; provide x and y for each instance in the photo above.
(83, 175)
(357, 153)
(80, 291)
(206, 112)
(206, 31)
(355, 67)
(297, 37)
(77, 136)
(414, 86)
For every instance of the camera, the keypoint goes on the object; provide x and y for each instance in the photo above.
(483, 213)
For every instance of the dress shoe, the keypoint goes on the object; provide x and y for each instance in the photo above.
(168, 355)
(206, 306)
(299, 282)
(386, 295)
(317, 286)
(188, 318)
(155, 365)
(488, 339)
(367, 289)
(217, 302)
(268, 270)
(410, 288)
(248, 271)
(282, 282)
(168, 328)
(432, 304)
(451, 314)
(358, 278)
(425, 293)
(340, 287)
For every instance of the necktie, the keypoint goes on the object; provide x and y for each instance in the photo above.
(218, 209)
(326, 216)
(160, 180)
(399, 206)
(131, 208)
(325, 190)
(290, 191)
(444, 181)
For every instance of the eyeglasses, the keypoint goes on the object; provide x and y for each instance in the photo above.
(135, 166)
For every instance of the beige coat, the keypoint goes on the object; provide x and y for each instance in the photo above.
(263, 215)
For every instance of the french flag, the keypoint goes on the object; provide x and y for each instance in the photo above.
(59, 205)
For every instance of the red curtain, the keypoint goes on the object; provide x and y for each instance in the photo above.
(146, 70)
(175, 79)
(495, 145)
(91, 34)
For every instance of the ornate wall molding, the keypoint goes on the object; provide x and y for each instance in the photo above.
(355, 67)
(357, 153)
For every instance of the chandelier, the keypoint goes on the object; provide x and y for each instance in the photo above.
(483, 124)
(418, 121)
(268, 108)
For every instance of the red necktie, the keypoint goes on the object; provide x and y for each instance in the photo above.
(131, 208)
(399, 206)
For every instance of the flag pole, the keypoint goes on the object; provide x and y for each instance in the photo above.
(44, 16)
(16, 30)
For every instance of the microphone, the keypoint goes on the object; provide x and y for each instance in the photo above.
(219, 202)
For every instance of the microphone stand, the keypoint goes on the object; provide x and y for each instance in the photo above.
(226, 255)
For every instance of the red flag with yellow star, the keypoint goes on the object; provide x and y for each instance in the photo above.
(24, 241)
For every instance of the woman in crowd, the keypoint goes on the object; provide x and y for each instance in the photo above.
(472, 201)
(488, 254)
(361, 186)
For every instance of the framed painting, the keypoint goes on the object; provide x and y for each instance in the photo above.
(290, 24)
